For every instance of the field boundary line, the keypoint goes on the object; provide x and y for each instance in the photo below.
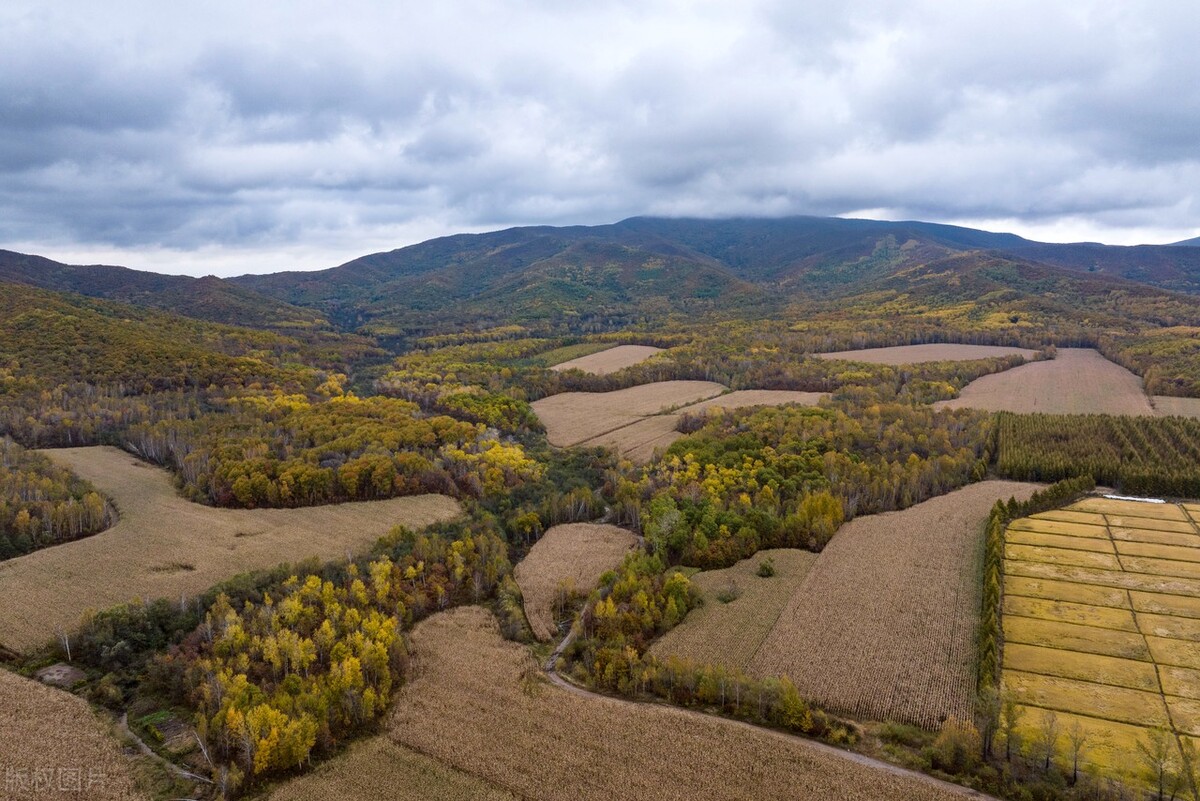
(563, 683)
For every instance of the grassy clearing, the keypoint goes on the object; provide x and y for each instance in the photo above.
(1183, 540)
(1155, 603)
(884, 626)
(1104, 617)
(1039, 525)
(1171, 552)
(1068, 516)
(1077, 381)
(1121, 704)
(1065, 591)
(608, 360)
(1181, 682)
(49, 735)
(1074, 637)
(481, 706)
(568, 559)
(730, 634)
(381, 768)
(1094, 544)
(1062, 556)
(1083, 667)
(915, 354)
(166, 547)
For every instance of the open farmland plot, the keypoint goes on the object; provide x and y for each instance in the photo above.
(610, 360)
(480, 705)
(1113, 647)
(916, 354)
(165, 546)
(1077, 381)
(52, 745)
(568, 558)
(642, 419)
(731, 633)
(381, 768)
(1179, 407)
(884, 625)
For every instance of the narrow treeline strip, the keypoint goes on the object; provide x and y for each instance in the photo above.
(990, 635)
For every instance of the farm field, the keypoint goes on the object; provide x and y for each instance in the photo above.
(165, 546)
(639, 420)
(915, 354)
(1182, 407)
(1077, 381)
(884, 625)
(381, 768)
(610, 360)
(731, 633)
(1115, 647)
(482, 706)
(52, 745)
(571, 556)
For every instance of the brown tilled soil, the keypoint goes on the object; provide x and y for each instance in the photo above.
(53, 746)
(165, 546)
(884, 626)
(915, 354)
(731, 633)
(482, 706)
(611, 360)
(1078, 381)
(577, 553)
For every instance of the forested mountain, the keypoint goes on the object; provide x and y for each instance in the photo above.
(590, 278)
(206, 298)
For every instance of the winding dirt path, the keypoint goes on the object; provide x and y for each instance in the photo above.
(551, 670)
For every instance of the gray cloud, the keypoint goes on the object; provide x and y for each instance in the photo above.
(320, 134)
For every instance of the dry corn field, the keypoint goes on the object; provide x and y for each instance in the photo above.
(379, 768)
(1101, 623)
(731, 633)
(568, 558)
(610, 360)
(53, 746)
(915, 354)
(1181, 407)
(482, 706)
(642, 419)
(1077, 381)
(884, 625)
(165, 546)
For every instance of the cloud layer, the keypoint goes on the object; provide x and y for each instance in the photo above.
(238, 137)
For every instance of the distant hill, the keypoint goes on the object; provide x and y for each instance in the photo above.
(582, 277)
(202, 298)
(1194, 242)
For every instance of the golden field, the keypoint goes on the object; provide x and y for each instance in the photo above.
(641, 420)
(610, 360)
(1113, 644)
(884, 625)
(53, 746)
(915, 354)
(482, 706)
(568, 558)
(166, 547)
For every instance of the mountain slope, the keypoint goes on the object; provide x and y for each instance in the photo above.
(202, 298)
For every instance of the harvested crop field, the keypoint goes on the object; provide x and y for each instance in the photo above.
(639, 420)
(568, 558)
(382, 769)
(610, 360)
(1077, 381)
(482, 706)
(164, 546)
(731, 633)
(915, 354)
(884, 626)
(1180, 407)
(52, 745)
(1114, 646)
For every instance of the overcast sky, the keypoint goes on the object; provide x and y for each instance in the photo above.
(255, 136)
